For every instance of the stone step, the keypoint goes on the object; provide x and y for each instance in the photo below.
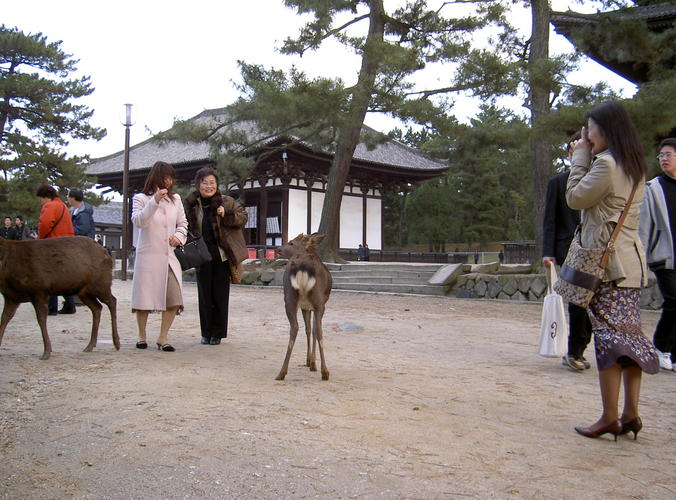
(413, 280)
(385, 266)
(419, 275)
(392, 288)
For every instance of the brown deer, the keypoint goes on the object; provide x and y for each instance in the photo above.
(32, 270)
(307, 284)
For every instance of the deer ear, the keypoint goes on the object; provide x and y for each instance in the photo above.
(317, 238)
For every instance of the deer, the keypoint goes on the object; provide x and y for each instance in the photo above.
(32, 270)
(307, 285)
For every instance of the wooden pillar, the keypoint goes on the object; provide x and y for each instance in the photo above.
(309, 181)
(364, 204)
(285, 214)
(263, 211)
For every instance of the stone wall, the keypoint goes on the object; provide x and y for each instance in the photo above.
(526, 287)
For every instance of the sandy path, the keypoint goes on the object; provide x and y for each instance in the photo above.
(429, 398)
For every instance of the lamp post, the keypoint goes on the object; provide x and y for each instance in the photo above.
(125, 187)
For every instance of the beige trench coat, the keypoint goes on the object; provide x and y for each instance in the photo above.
(156, 223)
(601, 190)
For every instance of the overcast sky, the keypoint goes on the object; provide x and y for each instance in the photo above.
(175, 58)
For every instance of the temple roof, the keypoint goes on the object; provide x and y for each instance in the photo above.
(392, 154)
(658, 17)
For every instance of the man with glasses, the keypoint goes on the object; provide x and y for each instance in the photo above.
(658, 220)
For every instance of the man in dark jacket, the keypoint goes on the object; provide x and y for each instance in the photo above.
(7, 231)
(82, 214)
(22, 231)
(559, 226)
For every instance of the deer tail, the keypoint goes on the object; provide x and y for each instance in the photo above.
(303, 281)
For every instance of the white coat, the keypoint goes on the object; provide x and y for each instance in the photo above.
(156, 223)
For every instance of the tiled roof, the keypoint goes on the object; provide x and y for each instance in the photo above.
(108, 213)
(392, 153)
(654, 14)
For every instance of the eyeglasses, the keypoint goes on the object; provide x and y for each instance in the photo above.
(668, 156)
(208, 184)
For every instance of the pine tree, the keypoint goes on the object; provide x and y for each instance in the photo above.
(393, 46)
(37, 118)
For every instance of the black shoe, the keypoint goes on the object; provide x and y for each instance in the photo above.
(205, 340)
(215, 341)
(52, 313)
(141, 345)
(63, 310)
(165, 347)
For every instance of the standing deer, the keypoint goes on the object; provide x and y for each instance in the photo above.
(31, 271)
(307, 284)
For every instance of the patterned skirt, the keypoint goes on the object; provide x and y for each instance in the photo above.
(615, 314)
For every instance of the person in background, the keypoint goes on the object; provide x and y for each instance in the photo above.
(658, 233)
(54, 222)
(158, 214)
(608, 165)
(82, 214)
(7, 231)
(219, 220)
(367, 252)
(361, 254)
(22, 231)
(558, 227)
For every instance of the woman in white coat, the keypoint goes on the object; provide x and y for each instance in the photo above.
(159, 217)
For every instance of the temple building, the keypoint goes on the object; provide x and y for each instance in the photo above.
(284, 193)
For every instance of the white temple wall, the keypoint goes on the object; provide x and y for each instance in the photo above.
(317, 205)
(350, 218)
(373, 222)
(297, 212)
(350, 222)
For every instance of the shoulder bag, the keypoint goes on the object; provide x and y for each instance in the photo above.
(193, 254)
(583, 270)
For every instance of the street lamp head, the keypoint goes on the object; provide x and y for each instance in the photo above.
(127, 118)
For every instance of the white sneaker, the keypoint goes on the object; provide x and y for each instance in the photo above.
(665, 360)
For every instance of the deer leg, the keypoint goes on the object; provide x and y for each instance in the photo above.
(318, 334)
(291, 313)
(310, 359)
(111, 302)
(7, 314)
(40, 306)
(95, 307)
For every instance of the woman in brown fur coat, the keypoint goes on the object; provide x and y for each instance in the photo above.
(219, 220)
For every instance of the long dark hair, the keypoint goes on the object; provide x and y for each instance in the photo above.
(156, 176)
(622, 138)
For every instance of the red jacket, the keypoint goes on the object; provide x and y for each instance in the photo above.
(55, 214)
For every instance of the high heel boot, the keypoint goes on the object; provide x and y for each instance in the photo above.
(613, 427)
(633, 425)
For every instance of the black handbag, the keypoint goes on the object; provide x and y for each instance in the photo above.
(193, 254)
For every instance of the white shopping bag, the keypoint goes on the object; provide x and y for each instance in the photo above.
(554, 323)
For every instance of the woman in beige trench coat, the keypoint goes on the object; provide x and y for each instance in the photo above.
(158, 215)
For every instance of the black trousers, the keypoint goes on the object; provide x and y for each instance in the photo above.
(213, 293)
(665, 332)
(68, 303)
(580, 330)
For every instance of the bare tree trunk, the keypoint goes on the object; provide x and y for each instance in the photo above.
(348, 137)
(540, 108)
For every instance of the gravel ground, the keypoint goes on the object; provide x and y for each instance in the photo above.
(429, 397)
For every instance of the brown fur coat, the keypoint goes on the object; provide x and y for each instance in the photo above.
(228, 229)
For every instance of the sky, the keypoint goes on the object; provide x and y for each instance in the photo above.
(173, 59)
